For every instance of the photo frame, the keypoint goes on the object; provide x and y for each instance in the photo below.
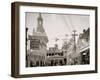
(53, 39)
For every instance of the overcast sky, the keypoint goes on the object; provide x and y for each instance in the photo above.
(58, 25)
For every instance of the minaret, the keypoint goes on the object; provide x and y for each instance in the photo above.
(40, 24)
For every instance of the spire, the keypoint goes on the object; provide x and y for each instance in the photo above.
(40, 24)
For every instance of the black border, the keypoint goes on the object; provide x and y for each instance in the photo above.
(15, 38)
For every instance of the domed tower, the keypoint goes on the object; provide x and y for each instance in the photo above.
(39, 37)
(40, 28)
(38, 44)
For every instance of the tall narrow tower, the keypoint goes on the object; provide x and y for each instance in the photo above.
(40, 24)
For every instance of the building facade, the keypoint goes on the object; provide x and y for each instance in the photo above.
(84, 46)
(37, 45)
(56, 57)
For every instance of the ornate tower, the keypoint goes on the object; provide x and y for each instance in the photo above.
(40, 24)
(38, 44)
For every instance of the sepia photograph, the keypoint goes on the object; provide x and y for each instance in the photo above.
(53, 39)
(57, 39)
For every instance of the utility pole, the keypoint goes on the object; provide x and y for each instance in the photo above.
(74, 36)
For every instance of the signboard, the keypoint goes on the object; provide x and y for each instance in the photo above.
(34, 44)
